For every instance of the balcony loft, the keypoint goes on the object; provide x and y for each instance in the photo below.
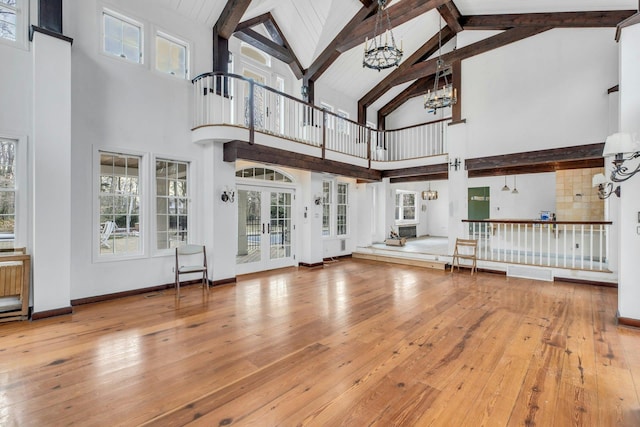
(286, 131)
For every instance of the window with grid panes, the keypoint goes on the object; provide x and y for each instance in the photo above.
(172, 56)
(406, 205)
(119, 201)
(172, 203)
(10, 20)
(342, 206)
(7, 192)
(326, 208)
(122, 37)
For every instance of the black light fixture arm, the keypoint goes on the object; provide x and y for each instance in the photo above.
(621, 173)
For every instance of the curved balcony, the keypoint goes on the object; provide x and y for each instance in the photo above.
(230, 107)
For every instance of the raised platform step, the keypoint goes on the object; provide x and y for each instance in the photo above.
(433, 264)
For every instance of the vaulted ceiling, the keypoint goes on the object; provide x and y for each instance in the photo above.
(322, 41)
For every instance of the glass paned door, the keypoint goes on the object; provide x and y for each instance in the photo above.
(265, 229)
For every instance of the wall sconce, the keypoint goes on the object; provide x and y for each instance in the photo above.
(317, 199)
(228, 195)
(605, 189)
(455, 164)
(304, 91)
(618, 145)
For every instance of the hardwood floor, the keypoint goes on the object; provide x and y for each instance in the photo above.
(356, 343)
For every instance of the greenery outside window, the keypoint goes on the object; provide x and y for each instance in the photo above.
(172, 56)
(342, 208)
(122, 37)
(326, 208)
(406, 205)
(172, 212)
(119, 201)
(7, 193)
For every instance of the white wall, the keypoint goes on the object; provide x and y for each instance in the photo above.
(432, 214)
(536, 192)
(128, 107)
(628, 223)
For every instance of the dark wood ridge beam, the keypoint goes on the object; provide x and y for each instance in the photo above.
(398, 14)
(425, 51)
(556, 19)
(278, 47)
(451, 15)
(443, 176)
(366, 3)
(537, 161)
(417, 171)
(426, 68)
(230, 17)
(330, 53)
(259, 153)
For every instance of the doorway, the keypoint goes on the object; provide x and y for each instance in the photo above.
(265, 229)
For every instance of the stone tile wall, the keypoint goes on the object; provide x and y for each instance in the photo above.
(576, 199)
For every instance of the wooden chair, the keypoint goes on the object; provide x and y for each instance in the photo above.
(465, 249)
(191, 253)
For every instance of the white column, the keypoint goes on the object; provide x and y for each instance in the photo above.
(458, 183)
(628, 221)
(50, 173)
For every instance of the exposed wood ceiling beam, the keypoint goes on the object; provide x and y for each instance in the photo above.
(633, 19)
(366, 3)
(230, 17)
(278, 47)
(425, 51)
(451, 16)
(427, 68)
(398, 14)
(417, 88)
(537, 161)
(442, 176)
(437, 169)
(261, 153)
(558, 19)
(330, 53)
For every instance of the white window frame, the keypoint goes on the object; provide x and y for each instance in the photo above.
(156, 197)
(400, 219)
(342, 125)
(17, 176)
(267, 58)
(21, 10)
(346, 209)
(175, 40)
(142, 215)
(327, 203)
(330, 118)
(126, 19)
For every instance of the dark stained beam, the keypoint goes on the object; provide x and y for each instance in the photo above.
(426, 68)
(367, 3)
(398, 14)
(230, 17)
(556, 19)
(235, 150)
(451, 16)
(537, 161)
(442, 176)
(417, 88)
(456, 81)
(330, 53)
(50, 15)
(278, 47)
(425, 51)
(633, 19)
(437, 169)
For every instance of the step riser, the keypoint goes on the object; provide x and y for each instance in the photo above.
(436, 265)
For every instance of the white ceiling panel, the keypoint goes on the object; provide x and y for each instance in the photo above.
(488, 7)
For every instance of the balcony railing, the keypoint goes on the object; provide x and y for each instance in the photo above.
(222, 99)
(556, 244)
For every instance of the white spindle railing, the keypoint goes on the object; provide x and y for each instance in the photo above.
(559, 244)
(227, 99)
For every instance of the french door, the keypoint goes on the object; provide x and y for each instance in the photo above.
(265, 229)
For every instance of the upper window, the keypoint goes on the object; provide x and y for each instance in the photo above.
(7, 192)
(119, 200)
(342, 208)
(122, 36)
(172, 213)
(172, 56)
(265, 174)
(326, 208)
(406, 205)
(254, 54)
(330, 119)
(11, 20)
(341, 124)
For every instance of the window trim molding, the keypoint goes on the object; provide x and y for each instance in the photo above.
(96, 256)
(108, 10)
(403, 221)
(159, 32)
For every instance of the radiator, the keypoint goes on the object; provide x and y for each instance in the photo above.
(10, 278)
(407, 231)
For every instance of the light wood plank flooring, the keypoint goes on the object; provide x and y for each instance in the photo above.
(357, 343)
